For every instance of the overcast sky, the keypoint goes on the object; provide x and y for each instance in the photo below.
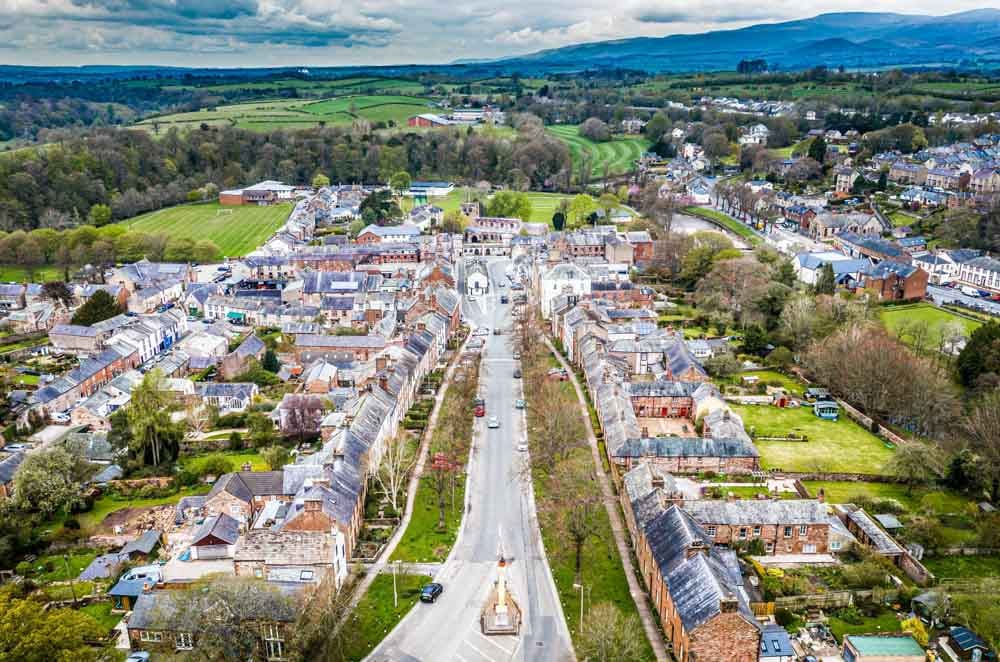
(260, 33)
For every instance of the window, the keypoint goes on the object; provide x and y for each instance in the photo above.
(274, 642)
(146, 635)
(770, 547)
(711, 531)
(258, 573)
(788, 532)
(306, 575)
(743, 533)
(184, 641)
(756, 530)
(803, 528)
(834, 545)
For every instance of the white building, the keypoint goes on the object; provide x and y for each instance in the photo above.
(809, 265)
(564, 278)
(477, 278)
(981, 272)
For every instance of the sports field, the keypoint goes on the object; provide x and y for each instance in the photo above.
(235, 230)
(543, 205)
(296, 113)
(620, 154)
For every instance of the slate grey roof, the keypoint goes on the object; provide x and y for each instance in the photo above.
(157, 610)
(101, 567)
(9, 466)
(757, 511)
(107, 474)
(346, 342)
(245, 485)
(250, 347)
(285, 547)
(144, 544)
(662, 388)
(74, 330)
(221, 526)
(685, 447)
(879, 539)
(242, 390)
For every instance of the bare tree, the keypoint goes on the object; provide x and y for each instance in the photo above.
(608, 635)
(983, 426)
(398, 459)
(575, 504)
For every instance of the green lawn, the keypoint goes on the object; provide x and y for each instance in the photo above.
(895, 317)
(901, 218)
(790, 384)
(77, 562)
(886, 621)
(963, 567)
(543, 205)
(375, 617)
(423, 541)
(14, 274)
(237, 459)
(841, 445)
(740, 229)
(236, 230)
(937, 501)
(620, 153)
(101, 612)
(67, 591)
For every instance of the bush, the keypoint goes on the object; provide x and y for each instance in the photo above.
(867, 574)
(235, 441)
(784, 617)
(71, 523)
(233, 420)
(215, 465)
(850, 615)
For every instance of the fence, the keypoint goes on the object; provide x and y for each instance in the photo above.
(834, 599)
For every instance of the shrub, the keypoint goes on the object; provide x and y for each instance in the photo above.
(233, 420)
(71, 523)
(850, 615)
(867, 574)
(784, 617)
(235, 441)
(215, 465)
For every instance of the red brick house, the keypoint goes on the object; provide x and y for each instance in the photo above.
(688, 455)
(694, 586)
(895, 281)
(786, 526)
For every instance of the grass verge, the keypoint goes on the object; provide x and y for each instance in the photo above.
(375, 616)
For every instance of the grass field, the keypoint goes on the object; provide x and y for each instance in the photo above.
(790, 384)
(919, 498)
(15, 274)
(841, 445)
(236, 459)
(963, 567)
(374, 616)
(101, 612)
(739, 229)
(619, 154)
(543, 205)
(235, 233)
(298, 113)
(895, 317)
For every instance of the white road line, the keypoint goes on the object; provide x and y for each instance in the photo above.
(459, 658)
(481, 653)
(496, 642)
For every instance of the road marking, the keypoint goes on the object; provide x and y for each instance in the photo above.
(495, 642)
(473, 647)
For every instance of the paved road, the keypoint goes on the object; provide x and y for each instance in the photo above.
(942, 295)
(499, 510)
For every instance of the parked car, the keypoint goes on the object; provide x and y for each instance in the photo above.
(517, 356)
(504, 299)
(431, 592)
(497, 332)
(519, 404)
(517, 373)
(494, 422)
(480, 411)
(522, 447)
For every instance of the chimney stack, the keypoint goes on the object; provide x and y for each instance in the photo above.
(696, 547)
(381, 362)
(383, 382)
(730, 497)
(821, 497)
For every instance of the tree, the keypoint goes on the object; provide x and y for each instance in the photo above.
(981, 356)
(48, 481)
(581, 207)
(275, 457)
(320, 180)
(608, 203)
(983, 428)
(400, 182)
(558, 220)
(205, 251)
(755, 339)
(595, 129)
(716, 145)
(58, 292)
(510, 204)
(99, 215)
(270, 362)
(826, 282)
(260, 430)
(99, 307)
(155, 438)
(380, 207)
(608, 635)
(817, 149)
(575, 514)
(226, 615)
(30, 633)
(781, 358)
(394, 469)
(916, 464)
(454, 222)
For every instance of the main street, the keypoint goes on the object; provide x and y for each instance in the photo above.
(499, 516)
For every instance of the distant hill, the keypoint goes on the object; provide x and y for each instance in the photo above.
(853, 39)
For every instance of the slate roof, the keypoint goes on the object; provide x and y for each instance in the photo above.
(757, 511)
(9, 466)
(882, 541)
(221, 526)
(285, 547)
(144, 544)
(685, 447)
(775, 643)
(662, 388)
(250, 347)
(245, 485)
(346, 342)
(101, 567)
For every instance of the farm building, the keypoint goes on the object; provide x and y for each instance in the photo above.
(263, 193)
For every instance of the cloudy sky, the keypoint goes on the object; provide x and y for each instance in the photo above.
(264, 33)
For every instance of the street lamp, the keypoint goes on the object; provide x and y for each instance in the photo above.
(581, 588)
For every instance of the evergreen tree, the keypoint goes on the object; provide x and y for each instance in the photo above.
(271, 363)
(558, 220)
(827, 282)
(817, 149)
(981, 355)
(99, 307)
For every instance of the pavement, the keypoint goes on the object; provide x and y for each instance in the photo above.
(499, 518)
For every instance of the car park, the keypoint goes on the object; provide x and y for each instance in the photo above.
(431, 592)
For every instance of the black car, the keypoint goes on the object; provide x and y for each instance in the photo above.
(431, 592)
(504, 299)
(517, 373)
